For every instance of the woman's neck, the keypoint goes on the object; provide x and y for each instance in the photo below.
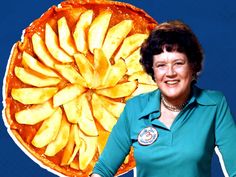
(175, 104)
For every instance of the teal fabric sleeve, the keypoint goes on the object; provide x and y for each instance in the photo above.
(117, 148)
(225, 135)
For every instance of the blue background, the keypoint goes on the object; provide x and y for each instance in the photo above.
(214, 22)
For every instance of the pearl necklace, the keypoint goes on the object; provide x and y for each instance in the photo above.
(171, 107)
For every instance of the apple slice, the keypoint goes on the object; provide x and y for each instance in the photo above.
(34, 64)
(102, 139)
(98, 29)
(143, 88)
(72, 110)
(68, 151)
(67, 94)
(118, 91)
(77, 137)
(75, 13)
(126, 159)
(86, 68)
(35, 113)
(48, 130)
(142, 78)
(102, 67)
(87, 150)
(115, 74)
(115, 36)
(132, 62)
(80, 31)
(115, 108)
(61, 140)
(32, 79)
(75, 164)
(105, 118)
(78, 142)
(65, 37)
(37, 95)
(86, 121)
(52, 44)
(130, 44)
(70, 74)
(41, 51)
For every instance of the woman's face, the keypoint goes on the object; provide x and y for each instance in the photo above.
(173, 75)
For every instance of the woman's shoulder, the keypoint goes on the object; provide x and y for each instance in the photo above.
(214, 95)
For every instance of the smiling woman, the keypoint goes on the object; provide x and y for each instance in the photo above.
(162, 126)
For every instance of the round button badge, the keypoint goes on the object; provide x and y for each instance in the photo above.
(147, 136)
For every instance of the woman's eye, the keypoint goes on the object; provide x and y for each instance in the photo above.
(160, 65)
(179, 63)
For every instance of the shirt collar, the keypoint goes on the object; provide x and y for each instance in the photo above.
(153, 104)
(201, 97)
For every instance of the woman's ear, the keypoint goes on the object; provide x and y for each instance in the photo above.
(194, 77)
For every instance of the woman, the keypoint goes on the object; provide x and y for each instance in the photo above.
(174, 129)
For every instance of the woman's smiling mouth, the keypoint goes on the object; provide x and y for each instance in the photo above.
(172, 82)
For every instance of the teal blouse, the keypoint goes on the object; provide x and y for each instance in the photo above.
(184, 150)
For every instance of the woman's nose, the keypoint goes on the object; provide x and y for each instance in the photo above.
(170, 71)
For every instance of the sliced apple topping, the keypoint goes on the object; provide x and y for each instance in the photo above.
(67, 94)
(52, 44)
(86, 68)
(41, 51)
(65, 37)
(35, 113)
(68, 151)
(143, 88)
(130, 44)
(81, 29)
(142, 77)
(115, 36)
(119, 91)
(35, 65)
(98, 29)
(116, 73)
(133, 65)
(61, 140)
(78, 77)
(87, 150)
(78, 144)
(86, 121)
(73, 110)
(48, 130)
(71, 74)
(33, 95)
(101, 68)
(32, 79)
(105, 118)
(114, 107)
(102, 139)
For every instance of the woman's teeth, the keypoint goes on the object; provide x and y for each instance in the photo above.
(172, 82)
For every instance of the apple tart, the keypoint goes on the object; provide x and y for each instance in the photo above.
(69, 78)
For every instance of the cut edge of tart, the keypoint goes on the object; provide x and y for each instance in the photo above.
(47, 68)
